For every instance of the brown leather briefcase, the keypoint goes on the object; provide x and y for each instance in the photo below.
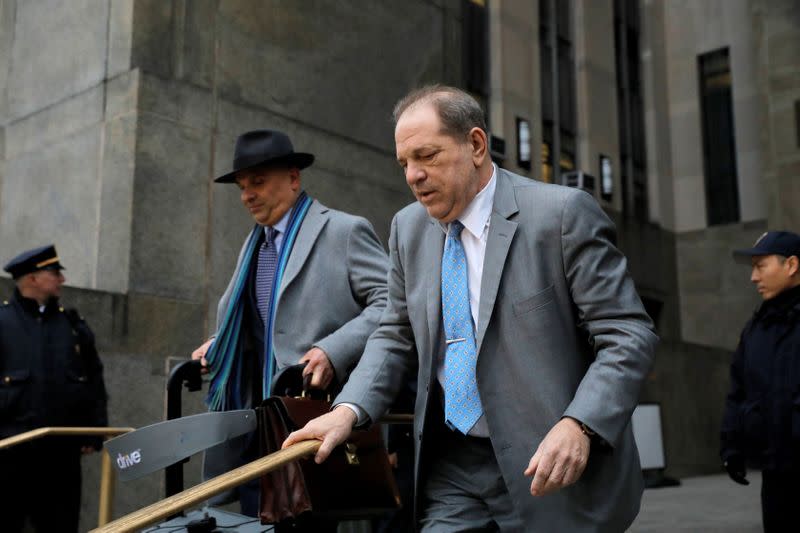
(355, 482)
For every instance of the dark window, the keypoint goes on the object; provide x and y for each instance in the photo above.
(476, 46)
(557, 77)
(547, 151)
(653, 308)
(630, 109)
(797, 121)
(719, 145)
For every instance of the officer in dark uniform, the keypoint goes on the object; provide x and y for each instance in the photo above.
(50, 375)
(761, 425)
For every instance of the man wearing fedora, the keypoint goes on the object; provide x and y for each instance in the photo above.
(50, 375)
(309, 287)
(761, 424)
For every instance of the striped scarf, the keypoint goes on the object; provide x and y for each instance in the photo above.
(224, 356)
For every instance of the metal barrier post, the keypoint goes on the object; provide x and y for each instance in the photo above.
(188, 373)
(106, 504)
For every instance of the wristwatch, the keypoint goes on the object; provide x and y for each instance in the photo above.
(586, 430)
(595, 440)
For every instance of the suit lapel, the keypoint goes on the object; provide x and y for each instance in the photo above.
(312, 225)
(501, 233)
(433, 263)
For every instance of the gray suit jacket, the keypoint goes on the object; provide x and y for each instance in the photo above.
(333, 290)
(561, 332)
(331, 296)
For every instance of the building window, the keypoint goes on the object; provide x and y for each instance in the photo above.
(797, 121)
(630, 109)
(557, 63)
(606, 178)
(475, 45)
(719, 144)
(523, 143)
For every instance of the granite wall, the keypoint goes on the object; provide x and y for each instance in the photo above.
(115, 116)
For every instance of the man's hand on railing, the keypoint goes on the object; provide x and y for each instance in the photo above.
(332, 429)
(200, 354)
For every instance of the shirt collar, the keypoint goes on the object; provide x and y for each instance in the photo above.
(476, 216)
(781, 303)
(32, 306)
(282, 223)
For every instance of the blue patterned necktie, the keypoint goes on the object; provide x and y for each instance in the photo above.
(462, 404)
(265, 274)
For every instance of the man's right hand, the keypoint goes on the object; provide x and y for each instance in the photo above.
(332, 429)
(736, 470)
(200, 354)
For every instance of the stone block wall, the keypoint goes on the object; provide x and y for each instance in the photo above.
(716, 295)
(326, 73)
(115, 116)
(777, 33)
(68, 124)
(689, 382)
(689, 30)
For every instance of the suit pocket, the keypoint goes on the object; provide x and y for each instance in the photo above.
(12, 386)
(753, 427)
(78, 398)
(531, 303)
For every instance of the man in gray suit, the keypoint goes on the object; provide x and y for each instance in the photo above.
(309, 287)
(532, 342)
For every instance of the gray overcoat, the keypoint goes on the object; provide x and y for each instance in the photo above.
(332, 294)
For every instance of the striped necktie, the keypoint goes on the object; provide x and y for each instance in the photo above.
(265, 273)
(462, 404)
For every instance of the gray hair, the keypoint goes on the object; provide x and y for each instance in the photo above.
(458, 111)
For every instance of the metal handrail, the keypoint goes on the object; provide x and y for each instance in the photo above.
(190, 497)
(61, 431)
(176, 503)
(106, 471)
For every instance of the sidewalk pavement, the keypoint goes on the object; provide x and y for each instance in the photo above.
(707, 504)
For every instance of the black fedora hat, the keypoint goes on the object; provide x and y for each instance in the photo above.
(264, 148)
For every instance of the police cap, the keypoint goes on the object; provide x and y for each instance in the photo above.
(44, 257)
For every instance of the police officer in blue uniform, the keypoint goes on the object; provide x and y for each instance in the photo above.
(761, 425)
(50, 375)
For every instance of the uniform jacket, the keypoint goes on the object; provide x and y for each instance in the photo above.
(762, 410)
(561, 332)
(50, 374)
